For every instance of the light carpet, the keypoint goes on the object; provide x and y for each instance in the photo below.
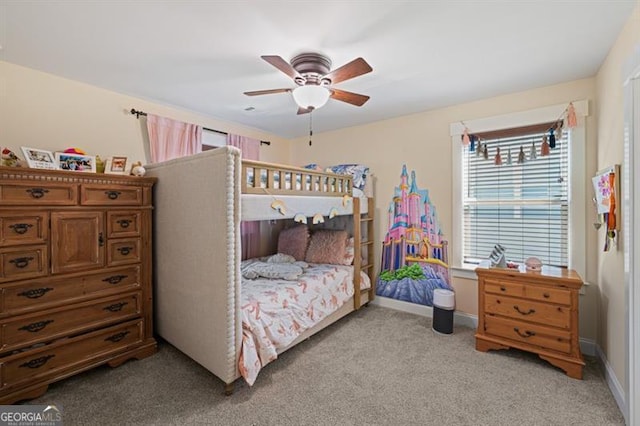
(377, 366)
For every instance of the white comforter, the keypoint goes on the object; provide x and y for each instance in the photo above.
(275, 312)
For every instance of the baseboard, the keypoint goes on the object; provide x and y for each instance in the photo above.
(613, 383)
(459, 318)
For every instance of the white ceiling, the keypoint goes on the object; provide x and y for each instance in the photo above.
(202, 55)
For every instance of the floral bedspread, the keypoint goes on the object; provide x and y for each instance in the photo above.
(275, 312)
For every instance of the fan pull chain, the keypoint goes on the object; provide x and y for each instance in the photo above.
(310, 126)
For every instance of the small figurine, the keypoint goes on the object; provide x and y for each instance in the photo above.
(137, 169)
(100, 164)
(9, 159)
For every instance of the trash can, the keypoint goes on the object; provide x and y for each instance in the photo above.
(443, 306)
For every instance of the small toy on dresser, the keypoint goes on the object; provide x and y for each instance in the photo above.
(137, 169)
(533, 264)
(9, 158)
(497, 257)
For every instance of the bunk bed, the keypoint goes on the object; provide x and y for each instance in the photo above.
(200, 201)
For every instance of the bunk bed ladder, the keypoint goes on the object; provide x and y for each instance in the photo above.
(361, 240)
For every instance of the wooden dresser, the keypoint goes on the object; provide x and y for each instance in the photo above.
(75, 275)
(532, 311)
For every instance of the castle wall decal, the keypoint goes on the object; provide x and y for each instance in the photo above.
(414, 253)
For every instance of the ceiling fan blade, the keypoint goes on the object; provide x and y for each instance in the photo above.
(353, 69)
(282, 65)
(266, 92)
(349, 97)
(303, 110)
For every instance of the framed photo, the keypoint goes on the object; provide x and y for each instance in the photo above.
(76, 162)
(39, 158)
(116, 166)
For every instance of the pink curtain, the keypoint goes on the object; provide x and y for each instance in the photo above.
(172, 139)
(250, 231)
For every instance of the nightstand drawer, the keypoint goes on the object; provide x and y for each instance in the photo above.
(23, 227)
(527, 310)
(55, 194)
(531, 334)
(547, 294)
(24, 331)
(503, 287)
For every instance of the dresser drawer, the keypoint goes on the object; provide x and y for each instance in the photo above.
(45, 293)
(530, 334)
(548, 294)
(23, 262)
(123, 223)
(23, 227)
(55, 194)
(527, 310)
(503, 287)
(123, 251)
(24, 331)
(64, 354)
(110, 195)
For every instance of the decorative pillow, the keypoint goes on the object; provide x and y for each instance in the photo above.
(294, 241)
(358, 171)
(349, 252)
(327, 246)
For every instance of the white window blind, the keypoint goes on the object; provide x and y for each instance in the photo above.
(524, 207)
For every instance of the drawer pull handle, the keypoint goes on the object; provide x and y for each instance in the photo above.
(21, 262)
(526, 334)
(35, 293)
(36, 326)
(115, 307)
(125, 250)
(502, 288)
(113, 195)
(117, 337)
(546, 295)
(124, 223)
(114, 279)
(529, 312)
(100, 240)
(21, 228)
(37, 362)
(37, 192)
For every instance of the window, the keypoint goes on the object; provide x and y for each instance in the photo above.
(522, 206)
(212, 140)
(575, 184)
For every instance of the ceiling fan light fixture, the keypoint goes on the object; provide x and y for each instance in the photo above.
(311, 96)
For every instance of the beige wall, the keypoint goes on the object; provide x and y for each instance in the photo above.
(612, 303)
(45, 111)
(423, 142)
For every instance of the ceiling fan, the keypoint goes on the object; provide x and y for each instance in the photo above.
(315, 79)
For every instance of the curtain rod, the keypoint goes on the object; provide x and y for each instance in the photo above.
(139, 113)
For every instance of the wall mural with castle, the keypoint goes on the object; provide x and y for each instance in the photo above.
(414, 254)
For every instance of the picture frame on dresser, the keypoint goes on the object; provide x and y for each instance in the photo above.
(116, 165)
(76, 162)
(39, 158)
